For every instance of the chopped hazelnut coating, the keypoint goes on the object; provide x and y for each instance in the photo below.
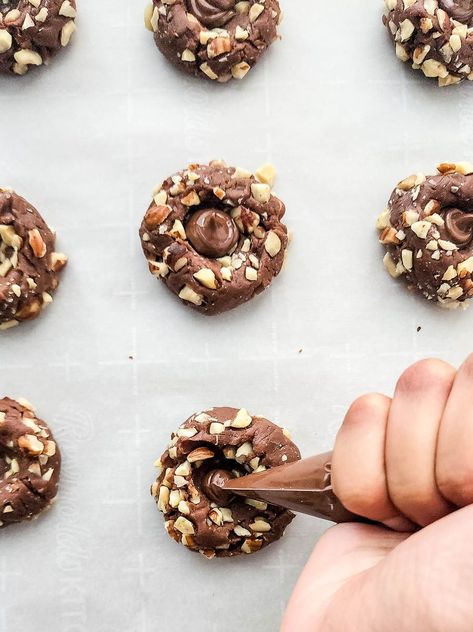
(30, 463)
(29, 263)
(434, 36)
(32, 31)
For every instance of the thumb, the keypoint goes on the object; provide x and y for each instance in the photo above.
(343, 553)
(367, 578)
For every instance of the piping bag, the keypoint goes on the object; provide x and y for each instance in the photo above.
(304, 486)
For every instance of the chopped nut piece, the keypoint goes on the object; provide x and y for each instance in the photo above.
(266, 174)
(383, 220)
(255, 11)
(188, 55)
(184, 469)
(37, 243)
(251, 546)
(184, 526)
(260, 525)
(421, 228)
(272, 245)
(156, 216)
(388, 236)
(206, 277)
(188, 294)
(242, 419)
(465, 168)
(219, 46)
(191, 199)
(163, 498)
(241, 531)
(216, 428)
(31, 444)
(243, 452)
(200, 454)
(261, 192)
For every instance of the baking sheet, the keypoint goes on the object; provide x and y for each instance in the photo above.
(118, 363)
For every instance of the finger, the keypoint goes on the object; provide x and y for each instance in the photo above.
(454, 468)
(344, 552)
(416, 411)
(358, 472)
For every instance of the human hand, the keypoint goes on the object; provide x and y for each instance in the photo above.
(406, 462)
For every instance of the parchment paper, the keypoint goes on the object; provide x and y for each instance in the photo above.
(117, 363)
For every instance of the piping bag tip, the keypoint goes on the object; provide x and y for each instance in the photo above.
(304, 486)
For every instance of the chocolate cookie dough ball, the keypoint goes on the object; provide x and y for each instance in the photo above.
(213, 39)
(30, 463)
(214, 235)
(433, 35)
(427, 230)
(32, 31)
(29, 264)
(231, 440)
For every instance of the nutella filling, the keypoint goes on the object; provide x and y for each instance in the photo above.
(212, 13)
(212, 233)
(213, 486)
(460, 10)
(459, 226)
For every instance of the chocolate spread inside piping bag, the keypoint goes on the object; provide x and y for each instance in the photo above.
(304, 487)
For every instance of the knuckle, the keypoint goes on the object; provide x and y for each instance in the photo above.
(423, 374)
(360, 500)
(456, 487)
(467, 366)
(366, 405)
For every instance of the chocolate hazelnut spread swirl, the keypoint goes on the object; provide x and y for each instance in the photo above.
(212, 13)
(213, 233)
(462, 10)
(459, 226)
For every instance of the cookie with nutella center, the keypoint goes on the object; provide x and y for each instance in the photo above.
(29, 263)
(31, 32)
(30, 463)
(227, 440)
(434, 36)
(427, 230)
(218, 40)
(213, 234)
